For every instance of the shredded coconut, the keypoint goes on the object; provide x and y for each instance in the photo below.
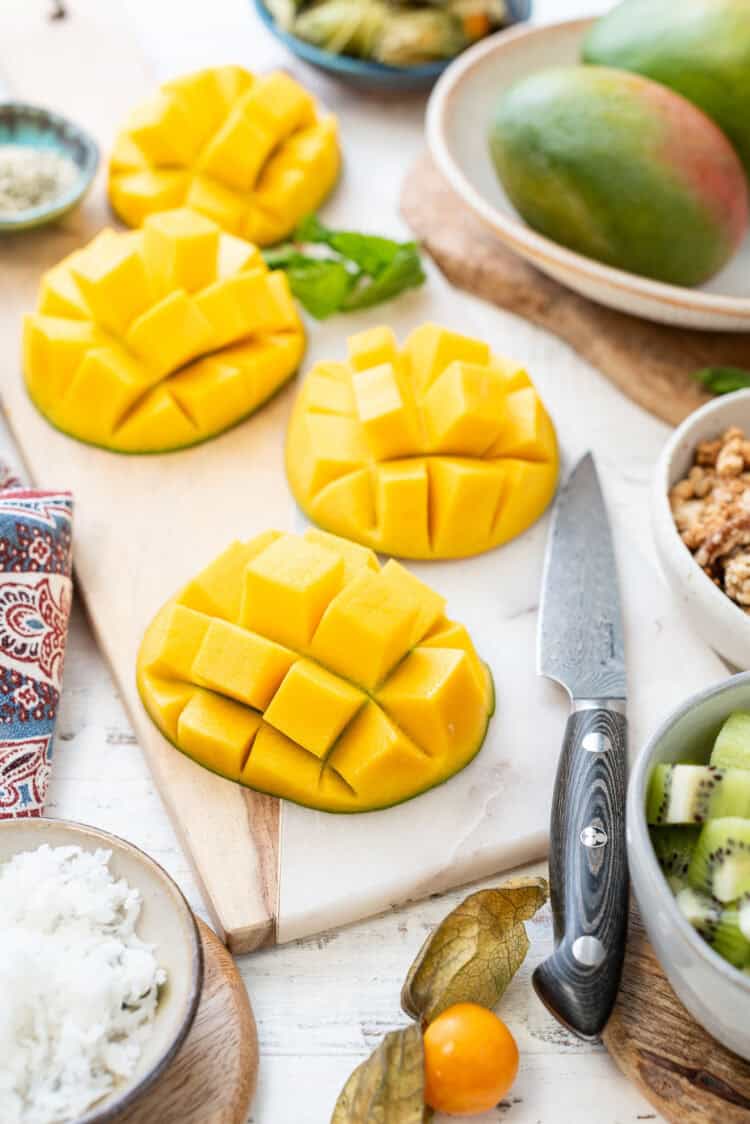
(79, 988)
(32, 176)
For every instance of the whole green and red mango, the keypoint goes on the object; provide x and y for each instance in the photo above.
(621, 169)
(700, 48)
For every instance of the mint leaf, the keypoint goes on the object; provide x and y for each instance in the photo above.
(723, 380)
(283, 256)
(321, 286)
(342, 270)
(311, 229)
(369, 251)
(402, 273)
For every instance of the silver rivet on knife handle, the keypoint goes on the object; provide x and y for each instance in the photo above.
(593, 836)
(597, 743)
(588, 951)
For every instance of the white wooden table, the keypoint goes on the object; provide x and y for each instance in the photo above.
(323, 1004)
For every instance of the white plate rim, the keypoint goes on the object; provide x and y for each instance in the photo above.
(512, 230)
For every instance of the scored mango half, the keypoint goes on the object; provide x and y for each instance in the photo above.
(251, 153)
(152, 340)
(298, 666)
(439, 449)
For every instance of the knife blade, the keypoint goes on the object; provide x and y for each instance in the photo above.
(581, 646)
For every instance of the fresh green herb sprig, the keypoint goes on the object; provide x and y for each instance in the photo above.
(343, 271)
(723, 380)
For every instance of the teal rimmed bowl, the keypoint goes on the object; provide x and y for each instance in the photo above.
(35, 127)
(364, 74)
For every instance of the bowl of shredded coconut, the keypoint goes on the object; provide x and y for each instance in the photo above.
(47, 164)
(101, 971)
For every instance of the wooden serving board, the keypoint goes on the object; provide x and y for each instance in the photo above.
(651, 363)
(212, 1080)
(90, 67)
(685, 1074)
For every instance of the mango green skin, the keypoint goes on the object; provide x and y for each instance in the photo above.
(167, 448)
(700, 48)
(143, 693)
(622, 170)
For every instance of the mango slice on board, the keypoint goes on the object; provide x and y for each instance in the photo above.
(253, 153)
(298, 666)
(160, 338)
(439, 449)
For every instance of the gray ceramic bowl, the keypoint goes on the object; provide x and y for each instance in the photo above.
(714, 992)
(166, 920)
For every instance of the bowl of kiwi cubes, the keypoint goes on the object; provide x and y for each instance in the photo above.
(688, 824)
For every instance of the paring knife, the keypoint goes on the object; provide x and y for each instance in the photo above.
(580, 645)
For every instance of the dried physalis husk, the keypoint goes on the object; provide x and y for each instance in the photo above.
(470, 958)
(474, 953)
(387, 1088)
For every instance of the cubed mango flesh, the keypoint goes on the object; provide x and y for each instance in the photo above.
(160, 338)
(287, 589)
(217, 732)
(240, 664)
(181, 251)
(298, 666)
(253, 154)
(414, 452)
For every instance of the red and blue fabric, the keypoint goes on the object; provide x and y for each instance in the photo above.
(35, 598)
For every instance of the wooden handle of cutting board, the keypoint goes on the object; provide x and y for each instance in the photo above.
(230, 833)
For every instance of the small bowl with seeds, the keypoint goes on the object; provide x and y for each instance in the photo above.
(47, 164)
(700, 515)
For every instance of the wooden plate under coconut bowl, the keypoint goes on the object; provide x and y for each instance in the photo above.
(458, 118)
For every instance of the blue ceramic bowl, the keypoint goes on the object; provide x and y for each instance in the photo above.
(32, 126)
(364, 73)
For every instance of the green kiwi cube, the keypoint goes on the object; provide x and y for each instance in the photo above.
(732, 746)
(685, 794)
(674, 848)
(720, 865)
(718, 925)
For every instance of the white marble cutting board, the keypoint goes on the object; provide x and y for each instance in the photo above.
(494, 815)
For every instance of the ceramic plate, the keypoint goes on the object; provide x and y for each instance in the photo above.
(165, 920)
(458, 116)
(364, 73)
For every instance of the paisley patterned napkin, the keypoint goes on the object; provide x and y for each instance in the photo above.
(35, 597)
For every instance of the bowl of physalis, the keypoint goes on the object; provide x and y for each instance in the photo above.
(397, 45)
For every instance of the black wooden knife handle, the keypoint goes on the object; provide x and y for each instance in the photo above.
(588, 871)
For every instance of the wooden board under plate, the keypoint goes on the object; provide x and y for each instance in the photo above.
(687, 1075)
(213, 1077)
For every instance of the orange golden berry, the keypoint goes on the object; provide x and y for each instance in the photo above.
(471, 1060)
